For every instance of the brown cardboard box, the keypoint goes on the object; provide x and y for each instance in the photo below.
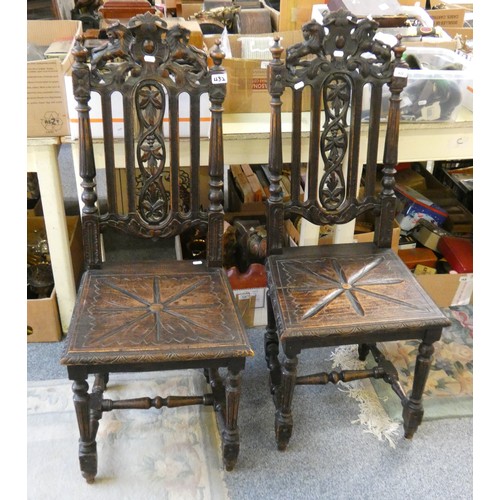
(293, 14)
(448, 289)
(43, 323)
(188, 9)
(252, 305)
(46, 95)
(467, 5)
(247, 78)
(449, 17)
(326, 238)
(43, 314)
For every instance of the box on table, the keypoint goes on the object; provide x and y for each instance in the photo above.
(246, 67)
(46, 93)
(437, 90)
(189, 9)
(448, 15)
(292, 14)
(43, 314)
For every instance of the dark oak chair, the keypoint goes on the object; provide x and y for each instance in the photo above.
(154, 314)
(346, 293)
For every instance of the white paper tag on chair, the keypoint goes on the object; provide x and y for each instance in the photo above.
(464, 291)
(219, 78)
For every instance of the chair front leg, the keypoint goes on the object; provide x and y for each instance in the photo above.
(283, 417)
(230, 435)
(87, 444)
(413, 410)
(272, 349)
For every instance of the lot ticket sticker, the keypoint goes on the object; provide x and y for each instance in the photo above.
(219, 78)
(401, 72)
(464, 291)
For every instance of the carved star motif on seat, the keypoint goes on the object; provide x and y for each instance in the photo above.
(349, 286)
(156, 309)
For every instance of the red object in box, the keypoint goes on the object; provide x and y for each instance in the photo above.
(458, 252)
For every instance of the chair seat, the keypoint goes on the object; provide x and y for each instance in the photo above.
(339, 294)
(154, 312)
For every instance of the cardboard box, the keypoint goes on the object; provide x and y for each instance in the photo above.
(189, 9)
(46, 93)
(293, 14)
(43, 319)
(43, 323)
(252, 304)
(448, 289)
(247, 77)
(448, 17)
(468, 5)
(326, 236)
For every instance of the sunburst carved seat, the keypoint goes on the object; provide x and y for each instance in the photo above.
(153, 314)
(344, 293)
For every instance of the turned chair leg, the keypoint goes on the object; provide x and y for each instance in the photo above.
(87, 444)
(283, 416)
(230, 435)
(272, 350)
(413, 410)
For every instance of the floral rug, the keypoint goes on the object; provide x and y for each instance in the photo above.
(171, 453)
(449, 388)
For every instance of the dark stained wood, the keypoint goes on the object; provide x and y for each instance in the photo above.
(152, 315)
(360, 293)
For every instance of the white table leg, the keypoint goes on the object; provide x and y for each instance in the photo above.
(42, 159)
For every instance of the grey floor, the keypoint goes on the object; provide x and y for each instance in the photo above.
(329, 456)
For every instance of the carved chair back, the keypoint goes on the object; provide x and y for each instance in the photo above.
(146, 75)
(346, 68)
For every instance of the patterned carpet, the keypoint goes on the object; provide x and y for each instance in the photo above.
(449, 388)
(142, 454)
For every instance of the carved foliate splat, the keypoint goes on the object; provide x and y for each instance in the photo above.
(336, 58)
(150, 106)
(336, 96)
